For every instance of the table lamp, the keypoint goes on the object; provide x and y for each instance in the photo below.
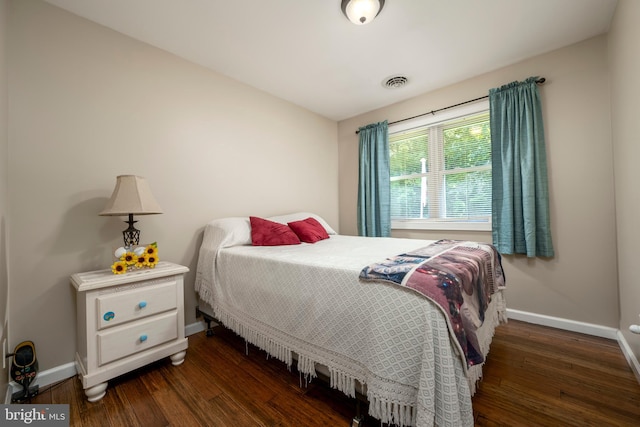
(132, 196)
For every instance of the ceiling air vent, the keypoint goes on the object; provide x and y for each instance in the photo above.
(395, 82)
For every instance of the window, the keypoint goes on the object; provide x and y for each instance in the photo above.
(441, 172)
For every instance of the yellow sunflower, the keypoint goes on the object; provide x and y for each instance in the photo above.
(129, 258)
(141, 261)
(152, 260)
(119, 267)
(151, 249)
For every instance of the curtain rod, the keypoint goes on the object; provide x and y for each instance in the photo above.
(540, 81)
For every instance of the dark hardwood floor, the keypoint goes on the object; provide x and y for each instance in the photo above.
(535, 376)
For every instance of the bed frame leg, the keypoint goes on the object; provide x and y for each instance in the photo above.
(207, 319)
(358, 420)
(209, 332)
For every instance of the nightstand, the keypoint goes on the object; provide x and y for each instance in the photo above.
(126, 321)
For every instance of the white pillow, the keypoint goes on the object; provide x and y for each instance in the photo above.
(233, 231)
(285, 219)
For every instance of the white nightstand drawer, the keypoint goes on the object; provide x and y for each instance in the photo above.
(120, 342)
(120, 307)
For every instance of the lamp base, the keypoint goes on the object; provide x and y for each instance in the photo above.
(131, 235)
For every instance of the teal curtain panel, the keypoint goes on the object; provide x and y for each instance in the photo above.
(374, 201)
(520, 201)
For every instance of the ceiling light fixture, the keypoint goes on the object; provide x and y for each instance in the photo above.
(361, 12)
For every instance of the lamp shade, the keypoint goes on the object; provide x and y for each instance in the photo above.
(361, 12)
(132, 195)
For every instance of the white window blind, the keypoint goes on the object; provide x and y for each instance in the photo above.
(441, 172)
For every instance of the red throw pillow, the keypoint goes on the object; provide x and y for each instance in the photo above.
(270, 233)
(309, 230)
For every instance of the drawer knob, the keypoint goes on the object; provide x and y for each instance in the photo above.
(142, 304)
(143, 338)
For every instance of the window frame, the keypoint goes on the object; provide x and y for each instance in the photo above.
(431, 120)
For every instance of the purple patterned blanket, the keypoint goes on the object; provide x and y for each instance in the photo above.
(459, 276)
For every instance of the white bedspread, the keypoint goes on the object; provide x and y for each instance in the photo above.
(308, 299)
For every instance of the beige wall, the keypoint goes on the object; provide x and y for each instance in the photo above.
(580, 282)
(4, 284)
(87, 104)
(625, 97)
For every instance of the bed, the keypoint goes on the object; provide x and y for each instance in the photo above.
(325, 307)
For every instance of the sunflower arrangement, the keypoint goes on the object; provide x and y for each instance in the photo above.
(135, 258)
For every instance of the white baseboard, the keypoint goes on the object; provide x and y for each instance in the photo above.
(632, 360)
(194, 328)
(565, 324)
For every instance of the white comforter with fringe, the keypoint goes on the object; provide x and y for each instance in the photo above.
(308, 299)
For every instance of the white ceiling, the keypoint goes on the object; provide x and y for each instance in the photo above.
(307, 52)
